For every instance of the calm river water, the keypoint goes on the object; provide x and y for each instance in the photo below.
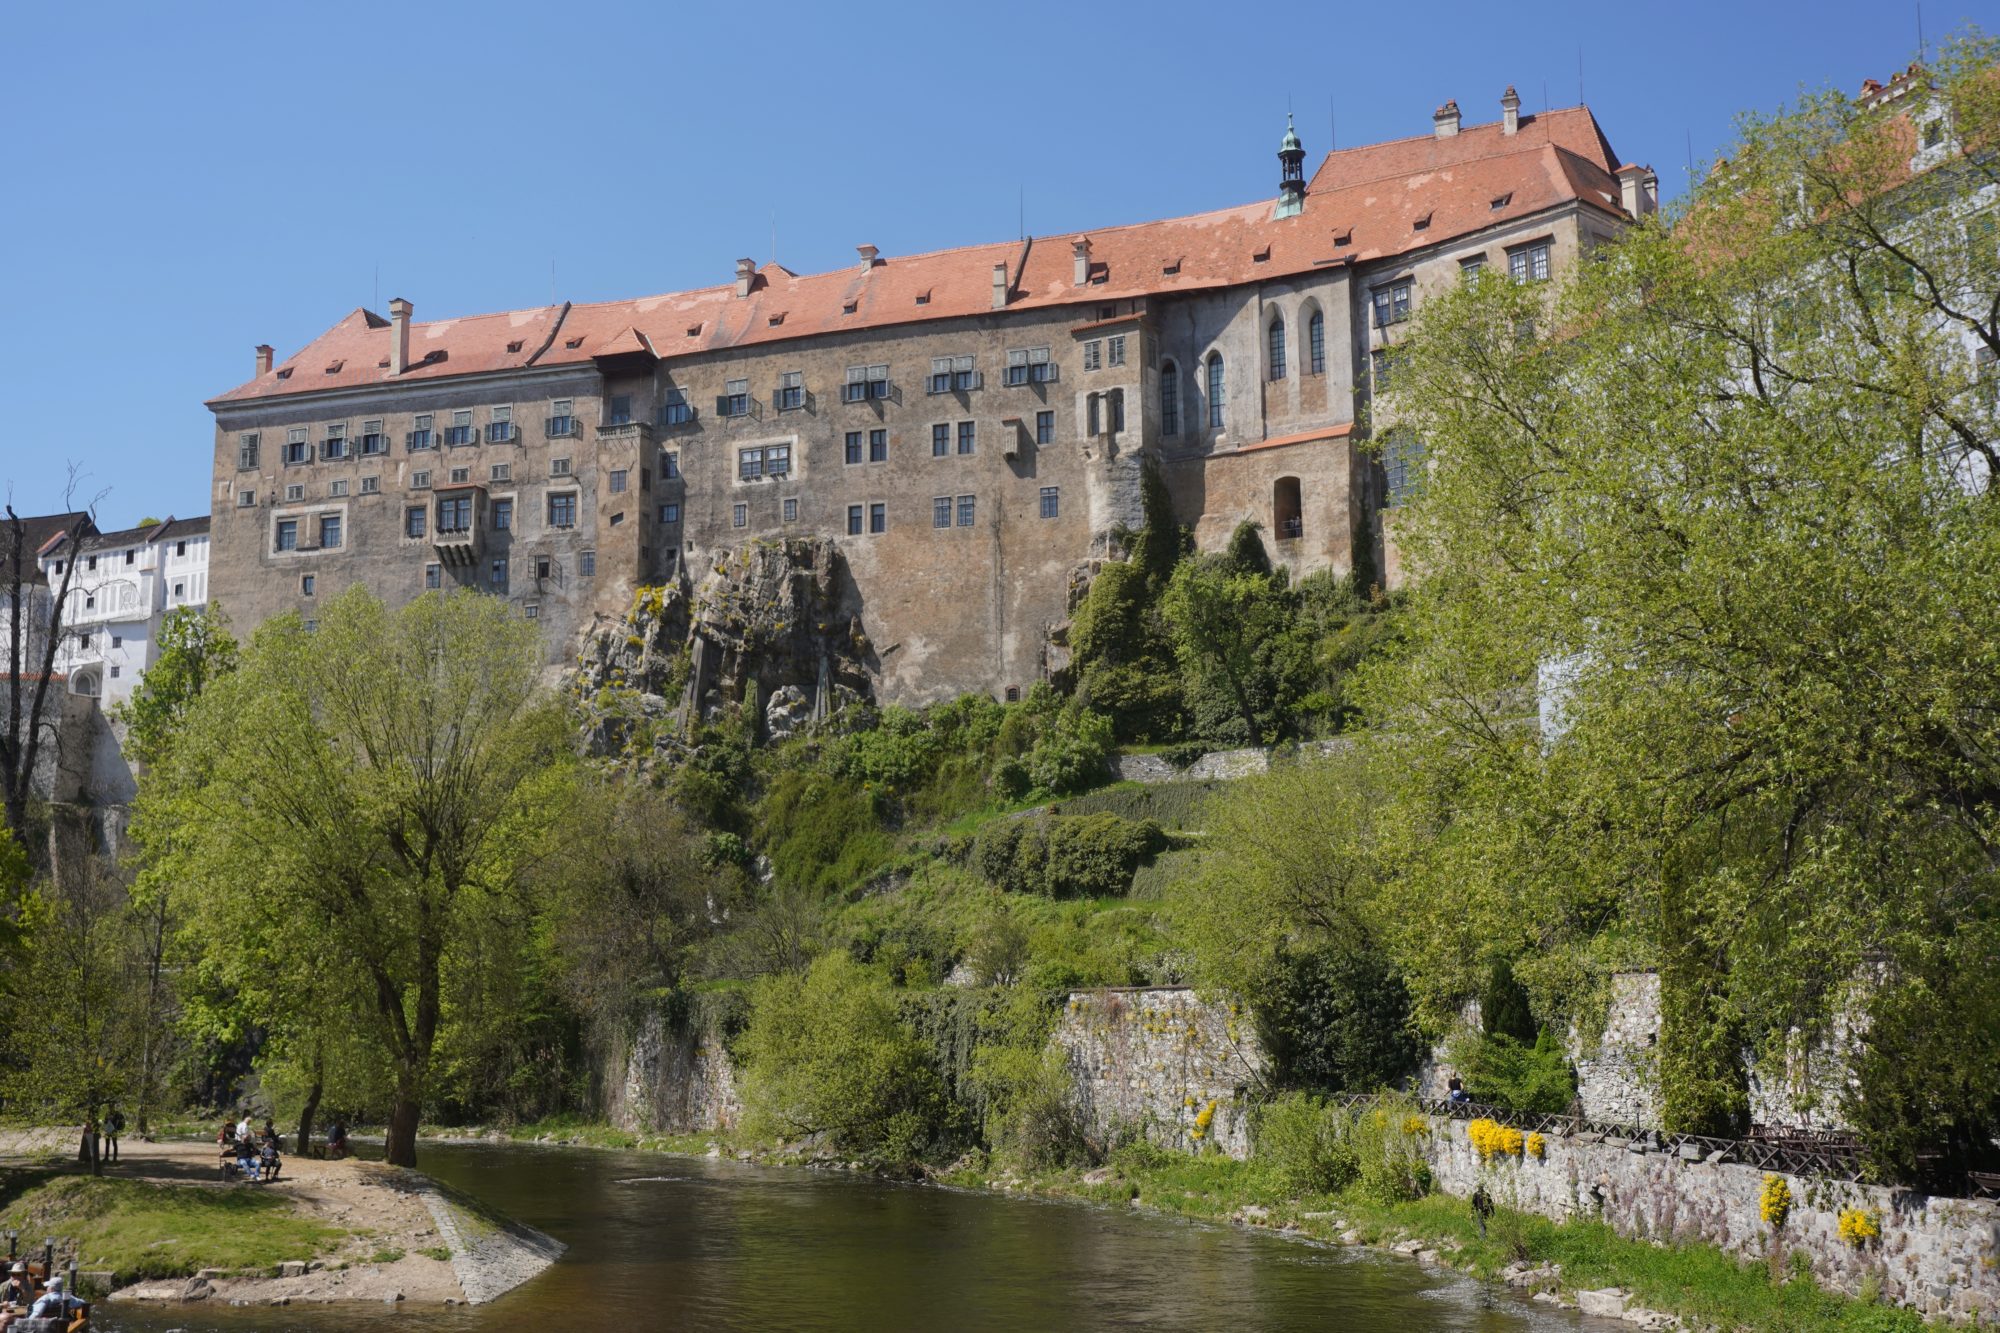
(670, 1243)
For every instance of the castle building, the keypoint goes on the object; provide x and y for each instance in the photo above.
(969, 426)
(124, 586)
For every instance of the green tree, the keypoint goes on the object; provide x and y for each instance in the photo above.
(1719, 503)
(195, 648)
(384, 778)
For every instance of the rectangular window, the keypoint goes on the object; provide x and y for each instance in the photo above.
(461, 476)
(306, 584)
(618, 410)
(1471, 267)
(371, 485)
(878, 446)
(500, 425)
(335, 443)
(1114, 350)
(967, 436)
(329, 531)
(562, 510)
(1382, 363)
(246, 451)
(1316, 343)
(878, 517)
(1529, 263)
(953, 374)
(500, 472)
(1029, 365)
(749, 464)
(791, 509)
(791, 391)
(965, 511)
(1402, 467)
(338, 488)
(1051, 501)
(433, 576)
(1117, 397)
(559, 467)
(866, 382)
(562, 418)
(246, 499)
(740, 516)
(543, 566)
(532, 611)
(941, 512)
(1045, 428)
(454, 514)
(293, 493)
(620, 478)
(1392, 304)
(851, 447)
(413, 521)
(460, 430)
(1093, 355)
(497, 573)
(670, 513)
(297, 449)
(503, 515)
(676, 411)
(586, 564)
(1170, 400)
(373, 441)
(288, 534)
(854, 520)
(420, 437)
(941, 439)
(420, 481)
(670, 466)
(777, 460)
(735, 399)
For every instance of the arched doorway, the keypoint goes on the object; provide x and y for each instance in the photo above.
(1287, 514)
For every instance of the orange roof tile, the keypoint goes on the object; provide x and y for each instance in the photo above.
(1369, 198)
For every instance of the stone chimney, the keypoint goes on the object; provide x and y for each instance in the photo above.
(1445, 120)
(1510, 111)
(1638, 190)
(867, 253)
(264, 355)
(999, 286)
(1081, 250)
(746, 273)
(399, 335)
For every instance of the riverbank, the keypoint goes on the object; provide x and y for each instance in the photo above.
(161, 1225)
(1578, 1263)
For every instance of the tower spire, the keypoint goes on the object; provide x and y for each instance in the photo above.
(1292, 183)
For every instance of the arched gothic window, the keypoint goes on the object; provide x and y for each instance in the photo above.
(1170, 399)
(1316, 342)
(1275, 341)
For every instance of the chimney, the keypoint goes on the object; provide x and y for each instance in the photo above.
(264, 355)
(746, 273)
(399, 335)
(999, 286)
(1445, 120)
(1638, 190)
(1081, 249)
(867, 253)
(1510, 111)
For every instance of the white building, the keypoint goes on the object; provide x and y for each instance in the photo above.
(124, 586)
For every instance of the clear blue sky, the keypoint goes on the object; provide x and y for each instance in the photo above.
(188, 180)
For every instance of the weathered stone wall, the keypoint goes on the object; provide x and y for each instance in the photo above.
(1216, 765)
(1163, 1064)
(667, 1078)
(1938, 1256)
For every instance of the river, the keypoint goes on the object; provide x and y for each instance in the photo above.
(672, 1243)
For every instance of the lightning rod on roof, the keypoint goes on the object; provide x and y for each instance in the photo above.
(1922, 54)
(1579, 73)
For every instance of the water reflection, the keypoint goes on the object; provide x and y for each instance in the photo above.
(669, 1244)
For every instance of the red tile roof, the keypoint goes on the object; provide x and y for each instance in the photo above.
(1373, 195)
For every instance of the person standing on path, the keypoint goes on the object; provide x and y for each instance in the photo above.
(114, 1125)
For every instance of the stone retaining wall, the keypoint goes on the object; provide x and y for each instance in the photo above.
(666, 1079)
(1215, 766)
(1938, 1256)
(1162, 1064)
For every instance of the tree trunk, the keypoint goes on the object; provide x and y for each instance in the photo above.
(312, 1102)
(402, 1144)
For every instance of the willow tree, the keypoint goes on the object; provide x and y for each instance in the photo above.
(353, 796)
(1720, 502)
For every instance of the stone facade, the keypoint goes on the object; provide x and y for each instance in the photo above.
(665, 1078)
(1937, 1256)
(969, 427)
(1162, 1064)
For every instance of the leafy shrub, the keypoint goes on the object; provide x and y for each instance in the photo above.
(1070, 752)
(1388, 1140)
(1304, 1144)
(1521, 1076)
(1338, 1018)
(1503, 1005)
(823, 832)
(1173, 805)
(1064, 856)
(826, 1054)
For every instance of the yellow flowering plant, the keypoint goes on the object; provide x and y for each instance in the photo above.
(1858, 1226)
(1774, 1201)
(1538, 1147)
